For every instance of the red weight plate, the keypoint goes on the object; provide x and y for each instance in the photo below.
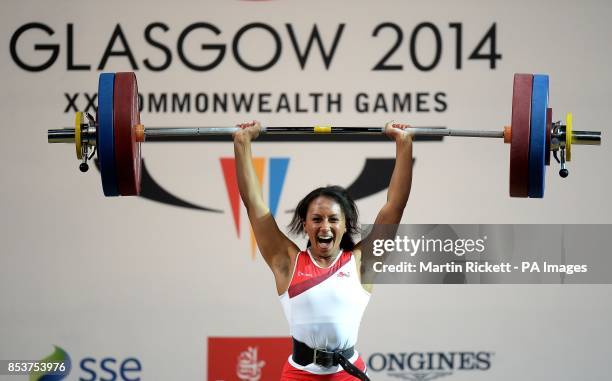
(548, 127)
(126, 117)
(519, 146)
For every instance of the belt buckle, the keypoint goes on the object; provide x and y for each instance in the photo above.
(323, 358)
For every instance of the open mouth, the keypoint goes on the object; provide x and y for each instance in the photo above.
(325, 241)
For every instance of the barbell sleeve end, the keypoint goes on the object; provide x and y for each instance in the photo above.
(586, 138)
(62, 135)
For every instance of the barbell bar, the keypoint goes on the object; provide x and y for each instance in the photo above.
(173, 134)
(116, 135)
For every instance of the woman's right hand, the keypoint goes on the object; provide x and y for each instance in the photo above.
(247, 132)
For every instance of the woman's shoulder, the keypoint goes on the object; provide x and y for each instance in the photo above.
(356, 251)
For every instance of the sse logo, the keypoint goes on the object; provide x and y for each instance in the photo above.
(59, 358)
(91, 369)
(110, 369)
(94, 369)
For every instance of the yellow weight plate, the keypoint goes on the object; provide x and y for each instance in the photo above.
(568, 136)
(78, 120)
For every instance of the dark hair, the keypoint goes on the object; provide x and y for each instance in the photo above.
(341, 196)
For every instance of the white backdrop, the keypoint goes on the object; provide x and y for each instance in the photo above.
(128, 277)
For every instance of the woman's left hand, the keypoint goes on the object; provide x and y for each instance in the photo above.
(398, 131)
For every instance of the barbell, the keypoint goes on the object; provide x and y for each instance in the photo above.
(116, 135)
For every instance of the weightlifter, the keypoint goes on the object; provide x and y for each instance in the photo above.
(319, 287)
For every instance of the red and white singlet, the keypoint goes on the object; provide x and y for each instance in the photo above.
(324, 306)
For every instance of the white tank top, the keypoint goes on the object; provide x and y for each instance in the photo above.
(324, 305)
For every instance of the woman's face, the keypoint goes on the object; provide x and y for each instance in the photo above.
(325, 225)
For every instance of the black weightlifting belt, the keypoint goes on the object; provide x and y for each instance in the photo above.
(304, 355)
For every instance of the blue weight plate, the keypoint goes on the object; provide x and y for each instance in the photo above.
(537, 141)
(106, 142)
